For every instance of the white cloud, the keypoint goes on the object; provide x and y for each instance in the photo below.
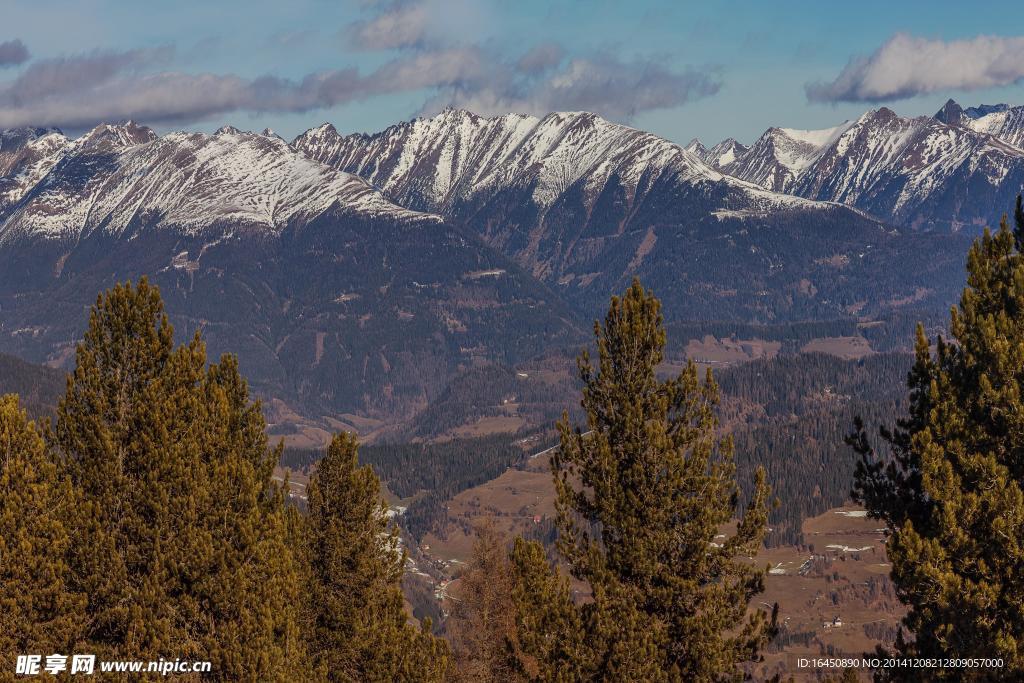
(397, 26)
(906, 66)
(79, 91)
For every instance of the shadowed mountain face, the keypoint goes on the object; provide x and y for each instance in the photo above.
(335, 299)
(584, 205)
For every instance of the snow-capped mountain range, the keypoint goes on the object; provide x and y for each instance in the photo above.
(960, 167)
(999, 120)
(457, 156)
(117, 175)
(336, 299)
(585, 204)
(357, 272)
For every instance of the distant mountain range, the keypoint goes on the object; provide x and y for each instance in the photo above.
(957, 168)
(336, 299)
(356, 274)
(585, 205)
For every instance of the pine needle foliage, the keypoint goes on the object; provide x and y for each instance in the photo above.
(644, 494)
(360, 625)
(180, 541)
(949, 482)
(38, 611)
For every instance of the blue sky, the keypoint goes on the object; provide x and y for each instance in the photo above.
(680, 69)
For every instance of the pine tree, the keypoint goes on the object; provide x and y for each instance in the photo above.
(482, 625)
(253, 578)
(550, 640)
(181, 536)
(361, 630)
(949, 483)
(38, 612)
(1018, 220)
(641, 497)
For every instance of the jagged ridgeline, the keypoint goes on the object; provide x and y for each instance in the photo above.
(946, 171)
(360, 273)
(585, 204)
(335, 299)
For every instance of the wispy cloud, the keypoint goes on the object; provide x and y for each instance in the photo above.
(398, 25)
(540, 58)
(541, 79)
(78, 91)
(109, 88)
(13, 53)
(906, 66)
(48, 78)
(602, 83)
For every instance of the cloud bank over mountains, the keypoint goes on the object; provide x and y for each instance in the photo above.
(395, 58)
(78, 91)
(907, 66)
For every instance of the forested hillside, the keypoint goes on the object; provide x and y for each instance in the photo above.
(38, 387)
(789, 415)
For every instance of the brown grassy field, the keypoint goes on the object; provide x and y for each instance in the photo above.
(834, 594)
(849, 348)
(719, 352)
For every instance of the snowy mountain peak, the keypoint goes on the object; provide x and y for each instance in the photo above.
(919, 171)
(227, 130)
(432, 163)
(696, 148)
(725, 153)
(19, 146)
(777, 158)
(881, 115)
(998, 120)
(119, 176)
(117, 135)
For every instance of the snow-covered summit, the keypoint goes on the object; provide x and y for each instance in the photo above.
(441, 162)
(117, 175)
(776, 159)
(725, 153)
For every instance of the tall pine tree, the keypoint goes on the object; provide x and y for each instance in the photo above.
(181, 536)
(642, 494)
(38, 612)
(950, 481)
(360, 626)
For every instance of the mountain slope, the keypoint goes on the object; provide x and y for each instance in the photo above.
(916, 171)
(924, 172)
(336, 300)
(115, 176)
(999, 120)
(585, 204)
(724, 153)
(26, 155)
(1007, 125)
(778, 158)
